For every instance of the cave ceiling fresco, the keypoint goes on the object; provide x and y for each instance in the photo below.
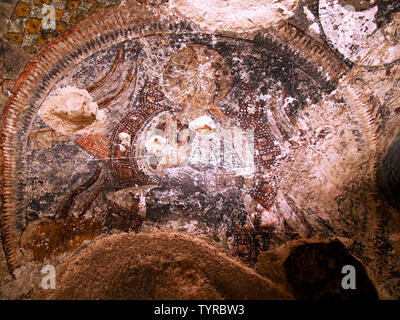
(141, 119)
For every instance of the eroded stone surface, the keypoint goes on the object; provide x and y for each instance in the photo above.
(356, 33)
(72, 111)
(312, 270)
(158, 266)
(237, 16)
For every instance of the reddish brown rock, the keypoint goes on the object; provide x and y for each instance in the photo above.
(158, 266)
(312, 270)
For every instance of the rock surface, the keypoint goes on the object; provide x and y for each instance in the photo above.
(237, 15)
(72, 110)
(164, 265)
(312, 270)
